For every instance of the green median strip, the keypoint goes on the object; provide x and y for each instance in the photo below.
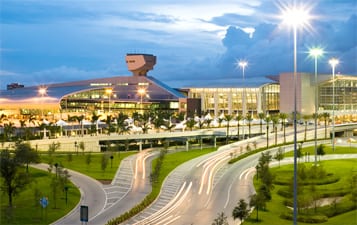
(169, 163)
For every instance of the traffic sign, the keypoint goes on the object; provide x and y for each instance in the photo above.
(44, 202)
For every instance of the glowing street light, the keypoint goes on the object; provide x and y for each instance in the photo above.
(295, 17)
(242, 64)
(141, 92)
(333, 62)
(316, 52)
(109, 93)
(42, 92)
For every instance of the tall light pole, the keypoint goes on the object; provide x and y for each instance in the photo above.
(333, 62)
(295, 17)
(141, 92)
(316, 52)
(109, 92)
(42, 91)
(242, 64)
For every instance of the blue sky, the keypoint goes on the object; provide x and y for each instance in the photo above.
(197, 43)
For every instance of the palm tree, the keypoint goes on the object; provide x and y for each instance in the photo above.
(9, 130)
(190, 123)
(228, 118)
(80, 122)
(261, 117)
(267, 120)
(108, 122)
(22, 127)
(238, 118)
(275, 121)
(283, 117)
(208, 122)
(249, 119)
(94, 119)
(122, 125)
(326, 117)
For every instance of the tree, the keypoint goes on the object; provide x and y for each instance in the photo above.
(94, 120)
(238, 118)
(13, 180)
(283, 117)
(82, 147)
(241, 210)
(320, 150)
(9, 130)
(88, 159)
(228, 118)
(249, 119)
(53, 147)
(261, 116)
(104, 162)
(258, 201)
(221, 219)
(24, 154)
(279, 155)
(325, 116)
(275, 121)
(190, 124)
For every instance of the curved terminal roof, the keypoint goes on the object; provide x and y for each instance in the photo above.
(123, 86)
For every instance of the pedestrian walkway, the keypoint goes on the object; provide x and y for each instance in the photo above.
(121, 183)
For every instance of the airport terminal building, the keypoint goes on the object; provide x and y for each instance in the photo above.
(140, 92)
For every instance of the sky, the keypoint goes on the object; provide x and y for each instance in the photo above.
(197, 43)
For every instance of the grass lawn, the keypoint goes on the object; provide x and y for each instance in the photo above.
(94, 168)
(26, 205)
(327, 149)
(346, 168)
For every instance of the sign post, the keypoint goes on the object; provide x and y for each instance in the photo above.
(44, 204)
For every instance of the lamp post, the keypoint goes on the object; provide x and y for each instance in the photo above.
(333, 62)
(141, 92)
(42, 91)
(109, 92)
(316, 52)
(242, 64)
(295, 17)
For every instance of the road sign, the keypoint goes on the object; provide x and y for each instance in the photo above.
(84, 213)
(44, 202)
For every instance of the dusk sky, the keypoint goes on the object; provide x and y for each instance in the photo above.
(197, 43)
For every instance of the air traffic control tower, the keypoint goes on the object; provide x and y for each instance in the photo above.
(140, 64)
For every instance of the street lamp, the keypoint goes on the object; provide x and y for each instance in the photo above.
(242, 64)
(109, 93)
(333, 62)
(141, 92)
(295, 17)
(42, 91)
(316, 52)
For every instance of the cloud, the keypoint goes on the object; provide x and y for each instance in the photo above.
(4, 73)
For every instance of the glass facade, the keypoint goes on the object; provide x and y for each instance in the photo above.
(232, 100)
(271, 98)
(345, 95)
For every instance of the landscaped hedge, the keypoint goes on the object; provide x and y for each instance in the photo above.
(305, 218)
(326, 180)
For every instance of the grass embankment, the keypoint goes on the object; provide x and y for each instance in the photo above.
(334, 188)
(327, 149)
(170, 162)
(26, 208)
(93, 169)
